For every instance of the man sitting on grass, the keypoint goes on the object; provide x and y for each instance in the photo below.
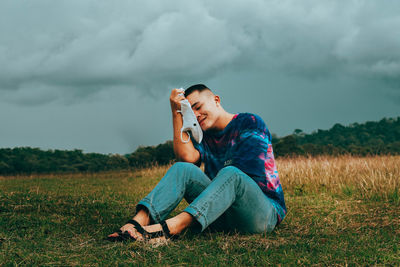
(240, 189)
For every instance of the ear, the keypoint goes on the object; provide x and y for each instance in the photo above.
(217, 100)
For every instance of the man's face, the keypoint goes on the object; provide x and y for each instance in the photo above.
(205, 107)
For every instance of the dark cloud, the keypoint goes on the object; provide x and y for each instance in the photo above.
(92, 45)
(96, 75)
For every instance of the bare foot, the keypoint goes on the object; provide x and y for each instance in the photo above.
(142, 217)
(131, 230)
(175, 225)
(158, 241)
(155, 242)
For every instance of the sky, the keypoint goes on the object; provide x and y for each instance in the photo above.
(97, 75)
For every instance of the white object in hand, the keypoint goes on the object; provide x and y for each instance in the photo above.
(190, 122)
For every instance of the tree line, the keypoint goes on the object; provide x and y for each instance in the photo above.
(370, 138)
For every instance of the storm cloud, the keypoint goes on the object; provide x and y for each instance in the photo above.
(119, 60)
(49, 49)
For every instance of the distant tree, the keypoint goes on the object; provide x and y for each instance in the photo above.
(287, 146)
(5, 168)
(298, 132)
(275, 139)
(147, 156)
(165, 153)
(117, 162)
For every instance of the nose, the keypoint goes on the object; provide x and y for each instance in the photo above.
(197, 114)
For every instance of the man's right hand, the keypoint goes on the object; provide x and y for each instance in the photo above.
(175, 98)
(183, 151)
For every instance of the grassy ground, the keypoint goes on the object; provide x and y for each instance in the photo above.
(343, 210)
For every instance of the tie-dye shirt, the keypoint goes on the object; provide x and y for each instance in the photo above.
(246, 144)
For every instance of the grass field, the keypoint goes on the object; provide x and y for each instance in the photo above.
(341, 211)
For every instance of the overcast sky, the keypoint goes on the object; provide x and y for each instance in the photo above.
(96, 75)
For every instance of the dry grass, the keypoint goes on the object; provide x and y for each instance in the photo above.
(341, 210)
(374, 176)
(367, 176)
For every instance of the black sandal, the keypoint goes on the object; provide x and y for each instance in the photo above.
(123, 236)
(147, 236)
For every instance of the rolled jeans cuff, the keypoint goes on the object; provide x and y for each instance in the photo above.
(155, 216)
(200, 218)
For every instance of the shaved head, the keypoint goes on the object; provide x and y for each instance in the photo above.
(208, 93)
(199, 88)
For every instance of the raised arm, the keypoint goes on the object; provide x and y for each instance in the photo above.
(183, 151)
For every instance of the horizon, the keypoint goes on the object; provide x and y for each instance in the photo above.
(153, 145)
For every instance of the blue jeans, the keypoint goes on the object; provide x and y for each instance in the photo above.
(231, 201)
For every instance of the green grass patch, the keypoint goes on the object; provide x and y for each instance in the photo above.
(64, 220)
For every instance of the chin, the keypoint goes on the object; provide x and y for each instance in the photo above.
(207, 128)
(207, 125)
(204, 128)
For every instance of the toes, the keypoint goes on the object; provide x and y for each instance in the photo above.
(113, 235)
(135, 235)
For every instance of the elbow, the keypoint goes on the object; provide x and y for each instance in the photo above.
(187, 155)
(190, 158)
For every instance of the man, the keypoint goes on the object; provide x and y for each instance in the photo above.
(240, 188)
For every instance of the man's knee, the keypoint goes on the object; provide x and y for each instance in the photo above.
(230, 170)
(187, 173)
(183, 169)
(234, 173)
(183, 165)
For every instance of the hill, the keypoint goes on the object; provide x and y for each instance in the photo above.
(369, 138)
